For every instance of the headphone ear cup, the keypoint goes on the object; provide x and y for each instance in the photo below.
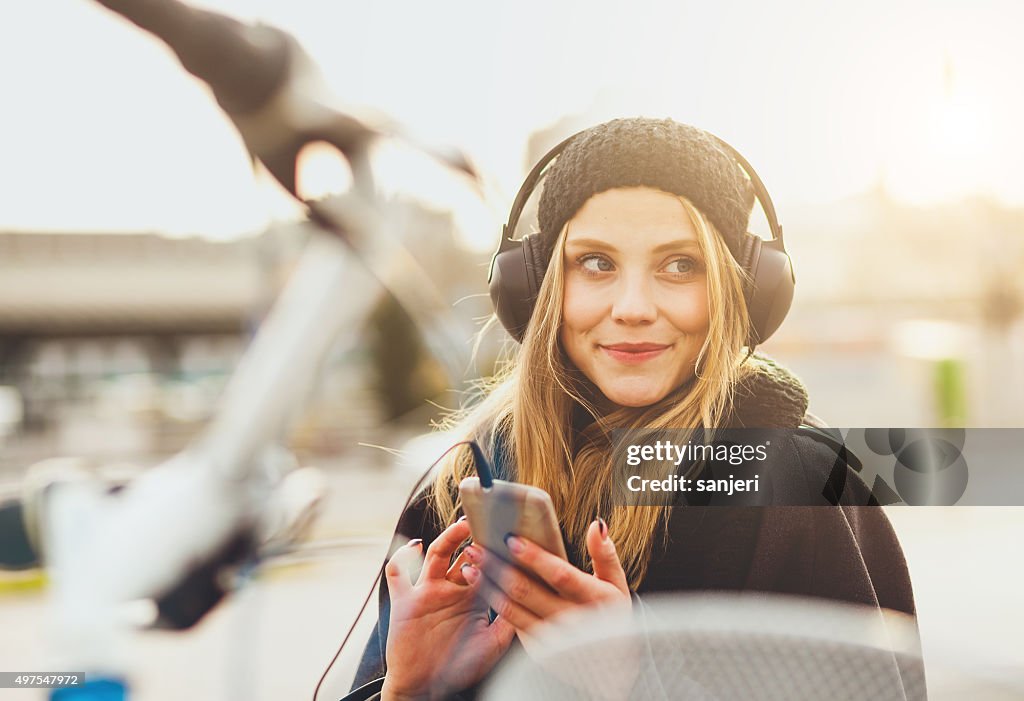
(769, 290)
(536, 266)
(516, 274)
(748, 251)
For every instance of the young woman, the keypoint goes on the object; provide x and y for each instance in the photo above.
(640, 320)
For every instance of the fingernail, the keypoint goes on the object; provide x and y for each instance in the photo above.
(472, 553)
(470, 573)
(415, 543)
(604, 528)
(514, 545)
(461, 519)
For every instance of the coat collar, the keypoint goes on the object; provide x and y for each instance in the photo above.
(769, 396)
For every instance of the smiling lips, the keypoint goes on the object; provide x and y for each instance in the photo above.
(634, 353)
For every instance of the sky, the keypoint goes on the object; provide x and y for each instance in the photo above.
(103, 130)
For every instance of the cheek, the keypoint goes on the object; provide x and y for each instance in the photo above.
(689, 313)
(581, 310)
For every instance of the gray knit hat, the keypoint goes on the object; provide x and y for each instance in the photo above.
(658, 153)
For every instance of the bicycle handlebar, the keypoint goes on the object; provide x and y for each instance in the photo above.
(243, 64)
(268, 86)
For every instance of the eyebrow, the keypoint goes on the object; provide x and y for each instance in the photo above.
(605, 246)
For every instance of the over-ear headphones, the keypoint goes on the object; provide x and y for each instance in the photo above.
(518, 265)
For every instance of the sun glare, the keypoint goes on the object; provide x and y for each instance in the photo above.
(958, 128)
(405, 172)
(947, 151)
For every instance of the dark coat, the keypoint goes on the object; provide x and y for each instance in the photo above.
(847, 552)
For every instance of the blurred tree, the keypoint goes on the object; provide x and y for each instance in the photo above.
(405, 375)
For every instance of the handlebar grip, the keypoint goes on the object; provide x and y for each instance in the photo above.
(243, 64)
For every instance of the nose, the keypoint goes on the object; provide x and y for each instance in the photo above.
(634, 301)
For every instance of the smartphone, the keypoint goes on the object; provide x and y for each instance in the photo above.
(510, 507)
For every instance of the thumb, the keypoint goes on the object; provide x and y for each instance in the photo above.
(400, 568)
(607, 565)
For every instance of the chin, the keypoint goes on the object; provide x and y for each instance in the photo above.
(634, 397)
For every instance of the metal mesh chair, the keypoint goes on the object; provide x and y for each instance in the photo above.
(722, 648)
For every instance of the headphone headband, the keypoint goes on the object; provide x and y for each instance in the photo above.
(539, 170)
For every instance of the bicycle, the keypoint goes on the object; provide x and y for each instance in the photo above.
(103, 549)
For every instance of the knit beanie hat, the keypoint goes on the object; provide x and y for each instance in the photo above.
(658, 153)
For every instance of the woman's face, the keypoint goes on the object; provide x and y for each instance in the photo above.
(635, 308)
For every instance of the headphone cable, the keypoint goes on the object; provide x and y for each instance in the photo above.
(380, 572)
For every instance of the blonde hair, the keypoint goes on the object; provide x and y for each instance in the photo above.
(530, 404)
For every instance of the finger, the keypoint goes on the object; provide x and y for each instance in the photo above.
(439, 554)
(503, 632)
(398, 571)
(517, 586)
(506, 609)
(567, 581)
(454, 573)
(607, 565)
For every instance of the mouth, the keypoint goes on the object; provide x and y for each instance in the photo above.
(634, 353)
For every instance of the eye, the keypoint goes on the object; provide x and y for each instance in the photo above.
(594, 264)
(681, 266)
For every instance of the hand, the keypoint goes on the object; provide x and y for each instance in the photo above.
(439, 632)
(525, 603)
(532, 607)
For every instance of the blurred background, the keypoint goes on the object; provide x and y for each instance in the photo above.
(139, 250)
